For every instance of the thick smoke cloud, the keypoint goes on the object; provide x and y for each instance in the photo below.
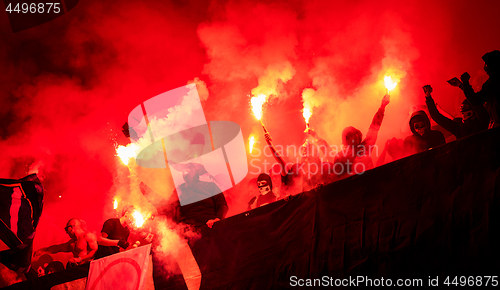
(68, 85)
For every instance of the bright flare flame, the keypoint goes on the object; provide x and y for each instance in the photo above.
(138, 219)
(251, 141)
(115, 204)
(257, 103)
(390, 84)
(307, 113)
(126, 153)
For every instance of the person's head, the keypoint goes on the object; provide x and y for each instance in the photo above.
(54, 266)
(351, 136)
(75, 228)
(264, 183)
(191, 171)
(309, 152)
(492, 62)
(419, 123)
(127, 215)
(466, 110)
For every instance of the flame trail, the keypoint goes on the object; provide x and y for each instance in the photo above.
(127, 152)
(390, 84)
(257, 103)
(307, 113)
(138, 219)
(251, 142)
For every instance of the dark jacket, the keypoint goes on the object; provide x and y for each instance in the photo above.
(489, 95)
(457, 126)
(431, 138)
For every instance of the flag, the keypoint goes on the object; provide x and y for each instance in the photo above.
(125, 270)
(21, 204)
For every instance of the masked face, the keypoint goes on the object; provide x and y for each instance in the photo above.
(467, 115)
(420, 127)
(264, 188)
(352, 139)
(189, 175)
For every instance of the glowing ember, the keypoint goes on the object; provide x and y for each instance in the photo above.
(390, 84)
(251, 141)
(125, 153)
(115, 204)
(306, 113)
(257, 103)
(138, 219)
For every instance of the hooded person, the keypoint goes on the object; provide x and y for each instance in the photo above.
(474, 118)
(195, 202)
(489, 95)
(355, 157)
(266, 195)
(423, 137)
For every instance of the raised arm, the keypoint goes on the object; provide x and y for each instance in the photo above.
(474, 98)
(276, 154)
(371, 136)
(449, 125)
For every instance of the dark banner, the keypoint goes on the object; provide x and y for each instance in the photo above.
(434, 213)
(431, 215)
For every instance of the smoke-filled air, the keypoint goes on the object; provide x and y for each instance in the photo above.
(67, 86)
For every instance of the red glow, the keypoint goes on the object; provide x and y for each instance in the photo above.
(70, 84)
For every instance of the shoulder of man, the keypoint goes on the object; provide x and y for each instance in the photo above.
(109, 225)
(90, 236)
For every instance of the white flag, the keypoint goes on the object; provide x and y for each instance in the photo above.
(125, 270)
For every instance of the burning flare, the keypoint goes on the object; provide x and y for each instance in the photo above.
(115, 204)
(138, 219)
(251, 141)
(126, 152)
(390, 84)
(307, 113)
(257, 103)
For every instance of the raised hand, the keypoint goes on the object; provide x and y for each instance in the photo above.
(465, 77)
(268, 137)
(123, 244)
(455, 82)
(312, 132)
(386, 100)
(427, 90)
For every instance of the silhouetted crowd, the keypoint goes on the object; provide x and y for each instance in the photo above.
(479, 111)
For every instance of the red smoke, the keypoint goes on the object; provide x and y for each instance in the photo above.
(68, 85)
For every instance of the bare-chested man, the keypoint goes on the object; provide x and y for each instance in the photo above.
(83, 244)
